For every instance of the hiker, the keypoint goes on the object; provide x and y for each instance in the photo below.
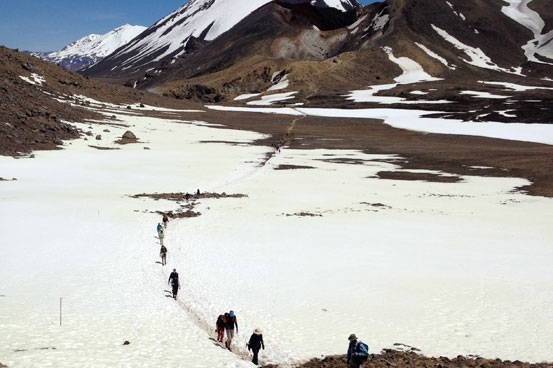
(159, 228)
(174, 281)
(220, 327)
(161, 235)
(165, 220)
(231, 322)
(358, 352)
(256, 343)
(163, 255)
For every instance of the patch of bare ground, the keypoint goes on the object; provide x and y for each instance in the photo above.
(186, 201)
(391, 358)
(304, 214)
(377, 205)
(348, 161)
(292, 167)
(103, 148)
(405, 175)
(451, 154)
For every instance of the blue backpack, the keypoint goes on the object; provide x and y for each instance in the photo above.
(362, 349)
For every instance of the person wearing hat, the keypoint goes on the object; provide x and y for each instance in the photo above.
(358, 352)
(256, 343)
(231, 322)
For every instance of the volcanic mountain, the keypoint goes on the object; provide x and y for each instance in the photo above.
(321, 51)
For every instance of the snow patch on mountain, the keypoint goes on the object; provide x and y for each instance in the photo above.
(432, 54)
(412, 71)
(477, 56)
(541, 44)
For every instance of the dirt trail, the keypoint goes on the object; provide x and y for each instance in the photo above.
(284, 140)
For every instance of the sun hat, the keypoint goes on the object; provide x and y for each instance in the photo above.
(257, 331)
(352, 337)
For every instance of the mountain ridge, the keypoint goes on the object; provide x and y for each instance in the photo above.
(92, 48)
(327, 56)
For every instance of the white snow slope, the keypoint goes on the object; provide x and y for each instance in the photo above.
(194, 19)
(309, 255)
(97, 46)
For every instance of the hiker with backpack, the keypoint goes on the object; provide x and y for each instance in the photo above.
(220, 325)
(165, 220)
(163, 255)
(174, 281)
(161, 235)
(229, 327)
(358, 352)
(256, 343)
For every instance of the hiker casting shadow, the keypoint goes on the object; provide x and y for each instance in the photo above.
(231, 323)
(174, 282)
(163, 255)
(255, 344)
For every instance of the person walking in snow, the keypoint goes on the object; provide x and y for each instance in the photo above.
(161, 235)
(231, 322)
(165, 220)
(159, 228)
(256, 343)
(174, 282)
(220, 325)
(358, 352)
(163, 255)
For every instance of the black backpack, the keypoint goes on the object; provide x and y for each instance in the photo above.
(230, 321)
(221, 323)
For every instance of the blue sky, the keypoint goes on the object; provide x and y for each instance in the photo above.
(49, 25)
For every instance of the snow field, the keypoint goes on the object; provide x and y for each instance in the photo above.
(309, 256)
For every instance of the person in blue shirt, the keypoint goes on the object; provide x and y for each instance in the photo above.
(231, 323)
(358, 352)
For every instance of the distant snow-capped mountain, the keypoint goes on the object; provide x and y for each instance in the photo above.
(92, 48)
(196, 21)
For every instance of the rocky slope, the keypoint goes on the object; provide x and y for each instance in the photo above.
(411, 359)
(34, 102)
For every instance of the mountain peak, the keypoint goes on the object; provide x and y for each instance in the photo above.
(92, 48)
(197, 20)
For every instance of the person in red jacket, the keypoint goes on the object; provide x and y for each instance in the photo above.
(220, 325)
